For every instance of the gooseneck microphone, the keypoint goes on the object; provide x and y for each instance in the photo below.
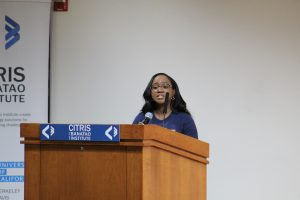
(166, 103)
(148, 117)
(165, 108)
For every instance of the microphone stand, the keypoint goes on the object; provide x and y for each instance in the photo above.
(165, 107)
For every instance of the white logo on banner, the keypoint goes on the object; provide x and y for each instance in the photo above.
(108, 132)
(44, 131)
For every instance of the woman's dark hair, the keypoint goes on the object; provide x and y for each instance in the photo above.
(177, 104)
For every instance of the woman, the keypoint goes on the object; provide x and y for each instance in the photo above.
(174, 115)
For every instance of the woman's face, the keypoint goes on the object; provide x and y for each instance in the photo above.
(160, 86)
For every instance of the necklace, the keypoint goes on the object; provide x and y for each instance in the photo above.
(162, 116)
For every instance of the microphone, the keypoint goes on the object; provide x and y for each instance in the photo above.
(166, 103)
(148, 117)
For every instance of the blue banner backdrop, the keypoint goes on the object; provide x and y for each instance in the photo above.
(24, 52)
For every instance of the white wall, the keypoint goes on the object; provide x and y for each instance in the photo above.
(237, 64)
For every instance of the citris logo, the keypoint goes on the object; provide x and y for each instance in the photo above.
(111, 132)
(46, 130)
(12, 36)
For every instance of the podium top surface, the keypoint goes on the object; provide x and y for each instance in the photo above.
(142, 134)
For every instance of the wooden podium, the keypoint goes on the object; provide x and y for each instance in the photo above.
(150, 163)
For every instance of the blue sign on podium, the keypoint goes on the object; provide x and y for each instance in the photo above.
(80, 132)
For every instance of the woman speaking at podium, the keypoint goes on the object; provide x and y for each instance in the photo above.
(165, 107)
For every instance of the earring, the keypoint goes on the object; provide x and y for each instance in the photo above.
(173, 98)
